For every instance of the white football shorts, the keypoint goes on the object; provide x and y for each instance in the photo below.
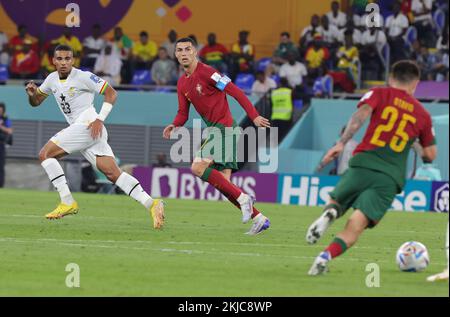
(77, 138)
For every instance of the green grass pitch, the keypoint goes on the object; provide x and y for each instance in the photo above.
(201, 252)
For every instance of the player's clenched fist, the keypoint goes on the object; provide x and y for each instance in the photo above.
(31, 88)
(168, 131)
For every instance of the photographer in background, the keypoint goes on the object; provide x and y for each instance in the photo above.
(5, 138)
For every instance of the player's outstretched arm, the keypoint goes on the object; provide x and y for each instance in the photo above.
(356, 122)
(245, 103)
(181, 118)
(34, 97)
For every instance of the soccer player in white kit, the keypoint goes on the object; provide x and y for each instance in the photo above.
(74, 91)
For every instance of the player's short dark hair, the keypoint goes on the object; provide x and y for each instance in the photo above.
(63, 48)
(185, 40)
(143, 33)
(406, 71)
(287, 34)
(3, 106)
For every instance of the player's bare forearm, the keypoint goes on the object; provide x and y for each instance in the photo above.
(35, 100)
(429, 154)
(356, 122)
(110, 95)
(34, 97)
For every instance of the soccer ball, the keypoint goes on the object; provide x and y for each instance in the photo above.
(412, 257)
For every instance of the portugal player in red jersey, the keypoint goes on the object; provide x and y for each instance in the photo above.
(378, 168)
(207, 90)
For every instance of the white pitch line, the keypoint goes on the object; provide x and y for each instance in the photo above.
(245, 244)
(190, 252)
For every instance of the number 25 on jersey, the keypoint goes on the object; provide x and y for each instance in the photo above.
(400, 139)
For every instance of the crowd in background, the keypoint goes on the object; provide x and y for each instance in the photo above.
(346, 47)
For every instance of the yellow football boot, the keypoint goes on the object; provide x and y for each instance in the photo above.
(63, 210)
(157, 212)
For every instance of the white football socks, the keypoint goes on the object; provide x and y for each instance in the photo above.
(133, 188)
(58, 179)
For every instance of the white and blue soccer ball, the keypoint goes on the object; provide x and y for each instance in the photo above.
(412, 257)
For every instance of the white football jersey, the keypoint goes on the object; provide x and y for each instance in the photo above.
(75, 95)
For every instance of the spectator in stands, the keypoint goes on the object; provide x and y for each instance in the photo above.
(337, 17)
(356, 33)
(355, 17)
(25, 64)
(282, 108)
(263, 84)
(215, 54)
(431, 65)
(71, 40)
(92, 47)
(443, 51)
(17, 42)
(123, 46)
(285, 46)
(5, 138)
(198, 45)
(242, 54)
(108, 65)
(293, 71)
(316, 56)
(442, 42)
(320, 87)
(423, 21)
(373, 42)
(396, 27)
(416, 50)
(4, 52)
(164, 69)
(330, 33)
(348, 56)
(161, 161)
(47, 66)
(169, 44)
(406, 7)
(144, 52)
(308, 32)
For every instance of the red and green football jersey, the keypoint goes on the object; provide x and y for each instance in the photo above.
(398, 120)
(207, 90)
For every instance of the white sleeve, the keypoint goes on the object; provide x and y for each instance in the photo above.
(343, 19)
(382, 39)
(388, 22)
(405, 22)
(283, 71)
(46, 87)
(304, 70)
(94, 83)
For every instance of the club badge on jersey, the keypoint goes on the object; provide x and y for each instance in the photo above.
(221, 81)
